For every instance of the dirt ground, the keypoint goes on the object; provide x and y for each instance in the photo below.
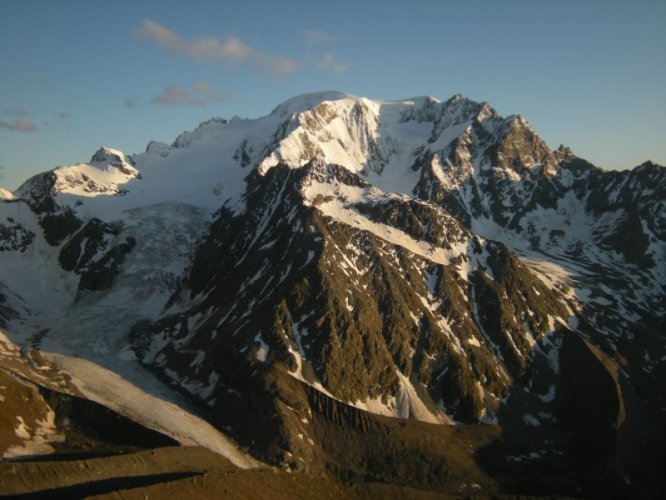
(175, 472)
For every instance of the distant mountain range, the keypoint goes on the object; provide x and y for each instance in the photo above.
(339, 288)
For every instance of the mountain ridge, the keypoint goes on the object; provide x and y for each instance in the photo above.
(417, 259)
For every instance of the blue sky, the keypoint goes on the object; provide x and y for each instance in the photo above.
(76, 75)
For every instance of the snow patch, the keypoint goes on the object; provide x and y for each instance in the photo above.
(262, 351)
(110, 389)
(531, 420)
(38, 440)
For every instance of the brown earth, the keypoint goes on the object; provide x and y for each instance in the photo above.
(181, 472)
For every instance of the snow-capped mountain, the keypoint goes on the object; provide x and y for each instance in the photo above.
(344, 259)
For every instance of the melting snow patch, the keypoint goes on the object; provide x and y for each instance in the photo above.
(377, 407)
(127, 353)
(339, 211)
(22, 429)
(262, 352)
(549, 396)
(350, 307)
(531, 420)
(113, 391)
(410, 405)
(473, 341)
(198, 359)
(520, 458)
(213, 380)
(431, 281)
(38, 441)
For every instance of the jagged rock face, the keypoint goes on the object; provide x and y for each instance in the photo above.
(364, 318)
(415, 259)
(14, 236)
(606, 222)
(86, 254)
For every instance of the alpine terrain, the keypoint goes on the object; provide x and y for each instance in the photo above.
(373, 298)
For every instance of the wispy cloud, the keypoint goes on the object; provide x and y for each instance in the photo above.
(132, 102)
(34, 83)
(22, 120)
(19, 125)
(202, 87)
(232, 51)
(18, 112)
(328, 62)
(315, 37)
(175, 95)
(201, 94)
(208, 91)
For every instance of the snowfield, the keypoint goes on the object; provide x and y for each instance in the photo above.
(166, 414)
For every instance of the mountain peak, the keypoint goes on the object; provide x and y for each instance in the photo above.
(307, 101)
(105, 157)
(649, 164)
(6, 195)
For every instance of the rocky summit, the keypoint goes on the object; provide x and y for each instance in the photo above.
(418, 295)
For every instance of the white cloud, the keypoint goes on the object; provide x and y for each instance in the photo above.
(233, 50)
(328, 62)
